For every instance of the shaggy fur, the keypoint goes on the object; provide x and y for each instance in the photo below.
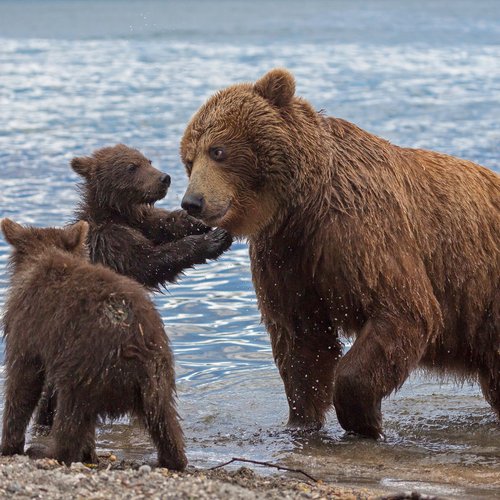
(95, 335)
(126, 232)
(348, 233)
(131, 236)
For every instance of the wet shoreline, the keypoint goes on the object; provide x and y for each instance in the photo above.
(24, 478)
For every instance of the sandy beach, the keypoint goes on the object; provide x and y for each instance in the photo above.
(21, 477)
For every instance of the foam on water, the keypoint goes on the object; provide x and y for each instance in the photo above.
(65, 95)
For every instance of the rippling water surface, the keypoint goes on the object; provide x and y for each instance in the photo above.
(75, 76)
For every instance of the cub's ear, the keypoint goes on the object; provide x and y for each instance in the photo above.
(83, 166)
(277, 86)
(75, 235)
(14, 233)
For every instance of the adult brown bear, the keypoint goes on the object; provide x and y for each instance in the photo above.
(398, 247)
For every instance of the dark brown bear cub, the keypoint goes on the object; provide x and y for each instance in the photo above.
(126, 232)
(95, 335)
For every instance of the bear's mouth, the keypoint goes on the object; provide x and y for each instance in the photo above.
(215, 218)
(152, 198)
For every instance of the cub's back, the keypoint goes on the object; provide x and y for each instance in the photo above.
(62, 302)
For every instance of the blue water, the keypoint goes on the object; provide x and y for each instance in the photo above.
(76, 75)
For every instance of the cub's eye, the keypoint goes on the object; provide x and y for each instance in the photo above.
(189, 165)
(217, 154)
(150, 162)
(132, 167)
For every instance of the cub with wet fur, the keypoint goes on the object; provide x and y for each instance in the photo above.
(127, 232)
(95, 335)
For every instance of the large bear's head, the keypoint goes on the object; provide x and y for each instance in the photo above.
(241, 151)
(120, 177)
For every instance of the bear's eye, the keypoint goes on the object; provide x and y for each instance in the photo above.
(189, 165)
(217, 154)
(150, 162)
(132, 167)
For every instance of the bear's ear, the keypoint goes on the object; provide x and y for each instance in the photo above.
(75, 235)
(14, 233)
(277, 86)
(83, 166)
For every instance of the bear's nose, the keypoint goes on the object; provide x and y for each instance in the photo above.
(192, 203)
(165, 179)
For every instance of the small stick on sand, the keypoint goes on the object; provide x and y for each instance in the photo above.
(265, 464)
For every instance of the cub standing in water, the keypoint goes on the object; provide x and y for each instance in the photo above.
(95, 335)
(129, 234)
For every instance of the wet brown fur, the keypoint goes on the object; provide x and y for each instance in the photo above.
(126, 232)
(95, 335)
(129, 234)
(398, 247)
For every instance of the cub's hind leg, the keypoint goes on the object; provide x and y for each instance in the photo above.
(161, 419)
(73, 430)
(23, 388)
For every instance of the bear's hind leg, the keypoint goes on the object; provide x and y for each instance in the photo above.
(490, 386)
(489, 379)
(379, 362)
(23, 389)
(73, 431)
(489, 373)
(89, 454)
(162, 422)
(44, 417)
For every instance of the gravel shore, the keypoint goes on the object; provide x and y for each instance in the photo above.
(21, 477)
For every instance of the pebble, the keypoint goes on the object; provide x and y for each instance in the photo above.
(13, 487)
(78, 466)
(144, 469)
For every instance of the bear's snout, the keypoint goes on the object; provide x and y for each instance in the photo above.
(165, 179)
(193, 204)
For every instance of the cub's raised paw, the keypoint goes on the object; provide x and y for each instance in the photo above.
(218, 241)
(187, 224)
(198, 227)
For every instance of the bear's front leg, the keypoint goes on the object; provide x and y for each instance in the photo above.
(380, 360)
(161, 226)
(182, 225)
(306, 365)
